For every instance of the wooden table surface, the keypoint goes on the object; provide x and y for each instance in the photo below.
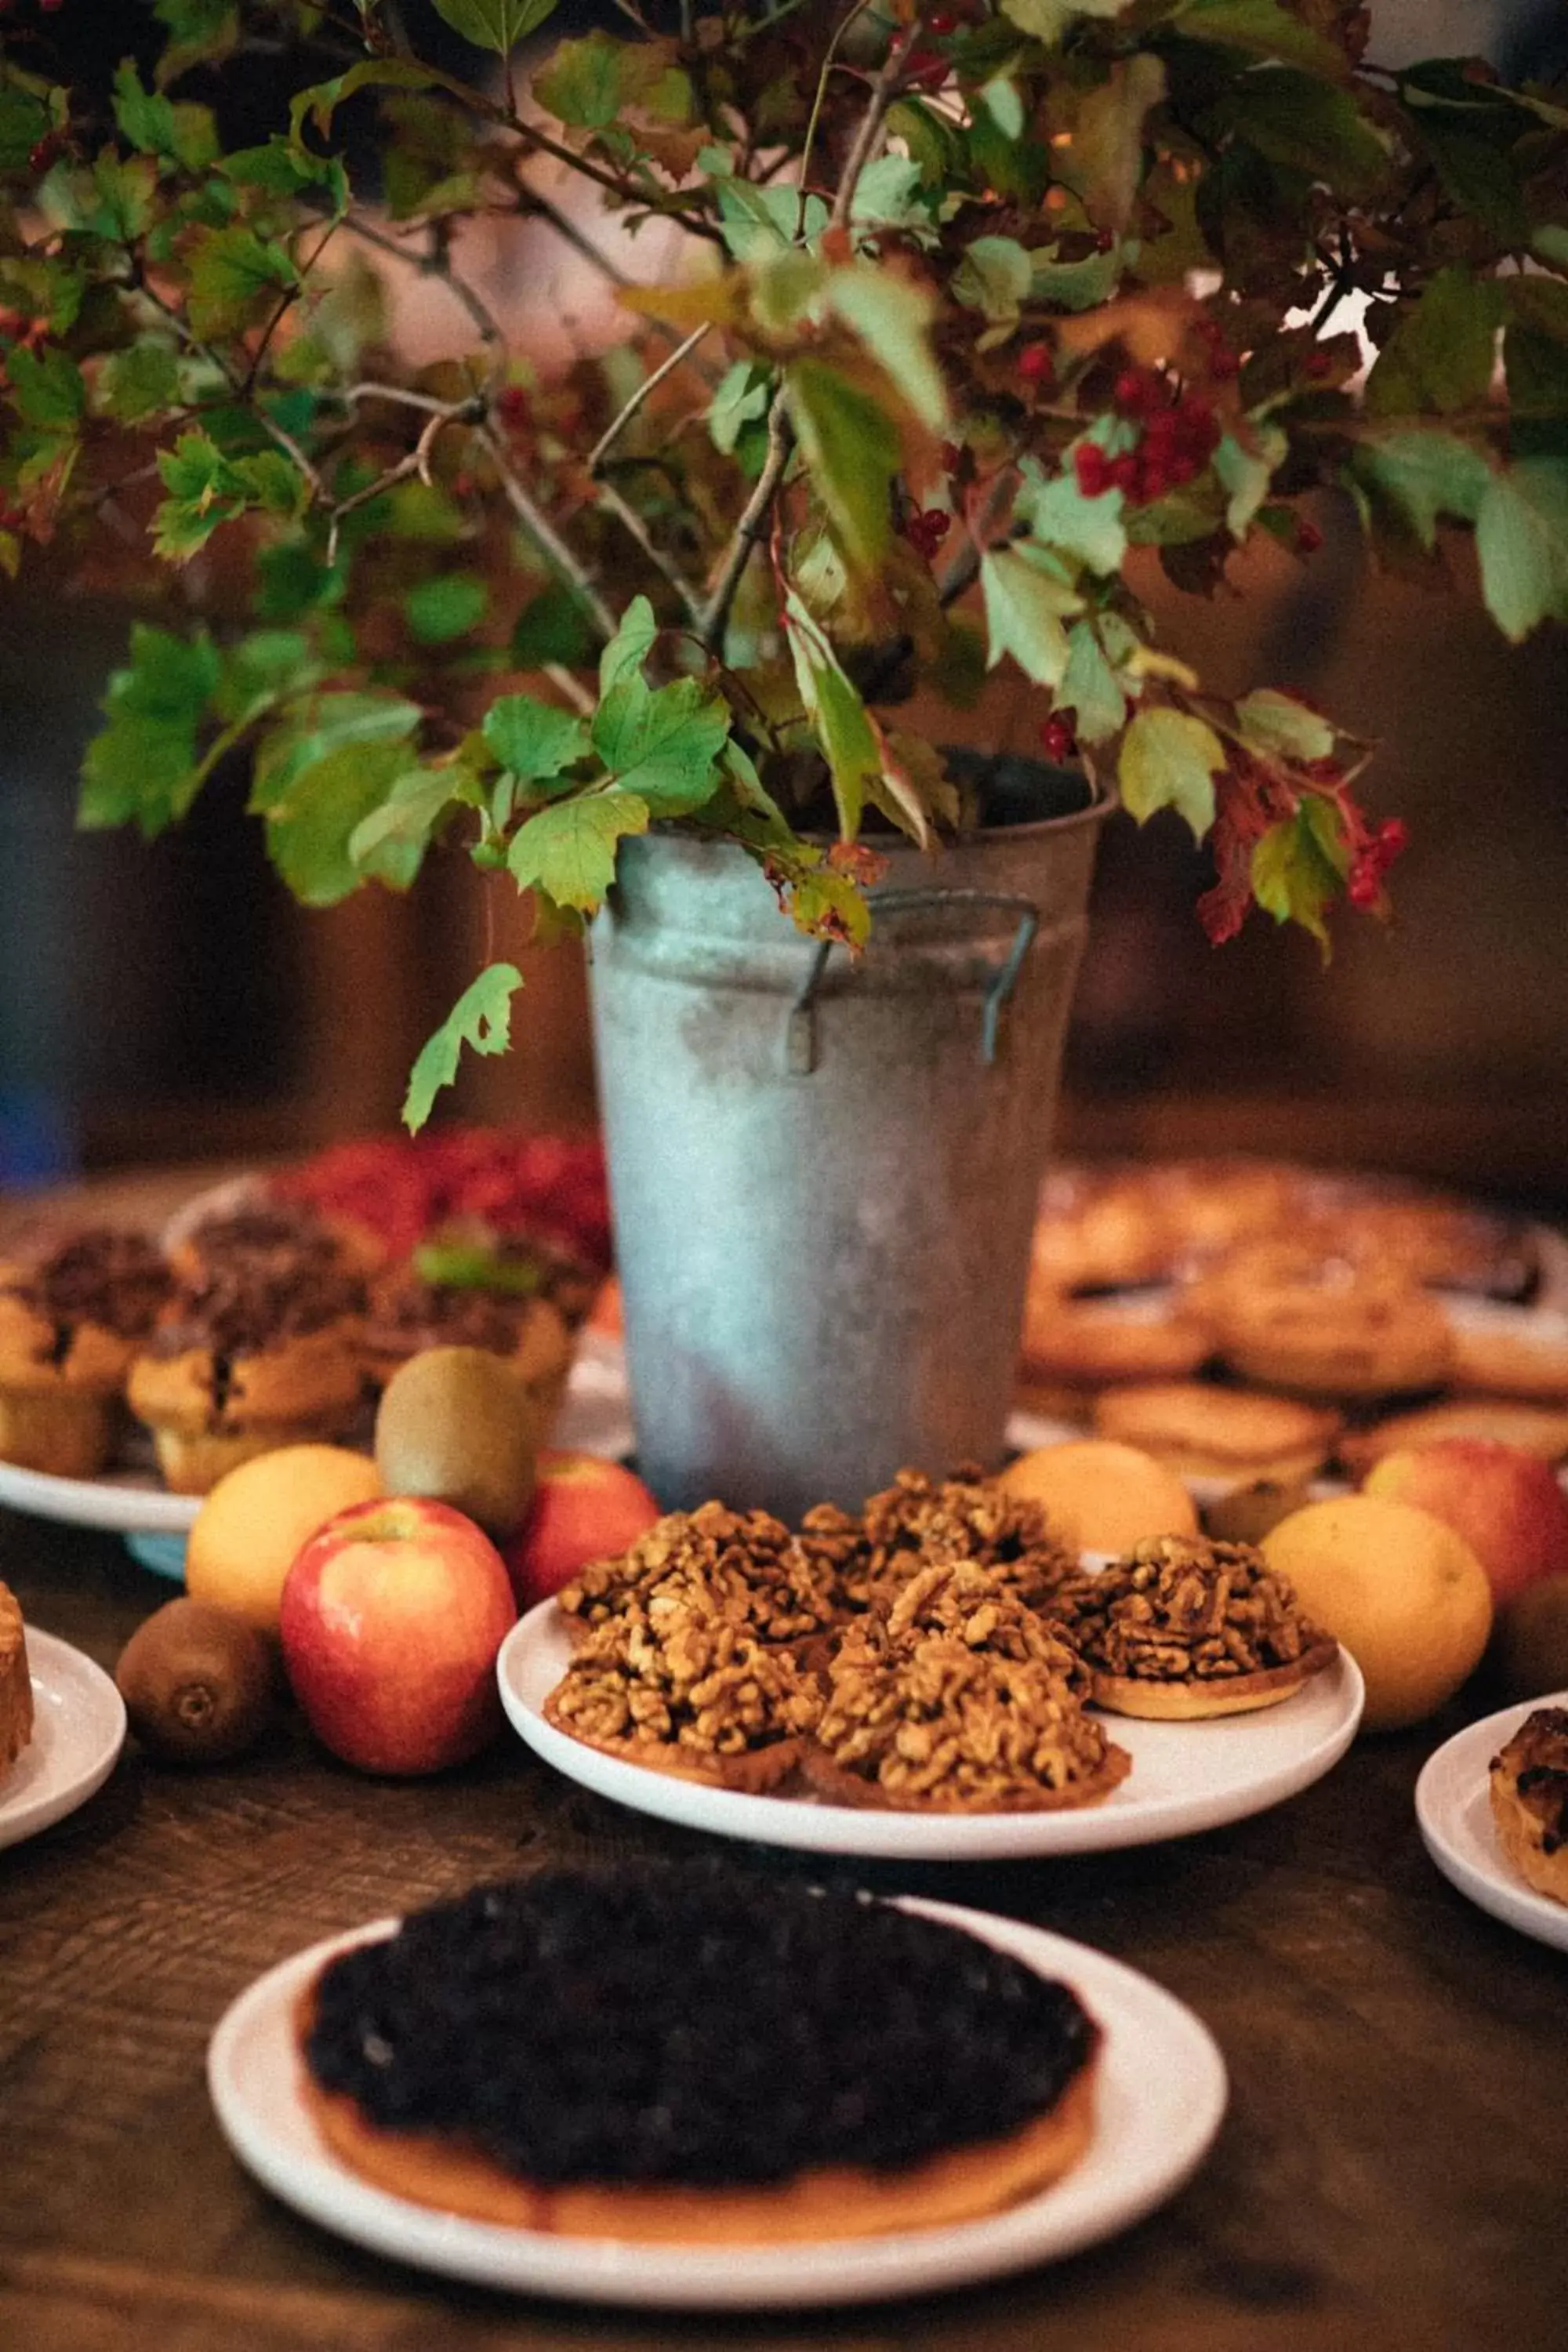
(1390, 2174)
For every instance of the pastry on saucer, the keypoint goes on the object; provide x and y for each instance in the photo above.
(932, 1723)
(1184, 1627)
(1201, 1430)
(245, 1360)
(72, 1315)
(692, 2054)
(670, 1685)
(15, 1682)
(1529, 1790)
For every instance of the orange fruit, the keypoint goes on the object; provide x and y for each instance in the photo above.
(1404, 1593)
(1102, 1496)
(244, 1538)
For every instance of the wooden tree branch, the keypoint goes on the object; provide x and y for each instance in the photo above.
(237, 385)
(416, 462)
(626, 515)
(548, 539)
(650, 383)
(884, 91)
(752, 526)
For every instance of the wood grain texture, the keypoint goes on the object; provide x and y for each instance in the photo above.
(1391, 2171)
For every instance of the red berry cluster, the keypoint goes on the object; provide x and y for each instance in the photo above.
(47, 152)
(1178, 438)
(926, 529)
(1037, 366)
(1373, 860)
(1057, 737)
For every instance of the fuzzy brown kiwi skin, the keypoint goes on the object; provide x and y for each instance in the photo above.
(198, 1684)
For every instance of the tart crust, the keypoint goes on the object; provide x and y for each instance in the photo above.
(843, 1787)
(1194, 1699)
(16, 1682)
(843, 2201)
(751, 1772)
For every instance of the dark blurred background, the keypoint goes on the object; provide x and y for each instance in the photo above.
(169, 1002)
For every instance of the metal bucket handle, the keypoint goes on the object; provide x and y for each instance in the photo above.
(800, 1032)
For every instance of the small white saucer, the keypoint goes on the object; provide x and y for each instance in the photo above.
(1453, 1805)
(79, 1729)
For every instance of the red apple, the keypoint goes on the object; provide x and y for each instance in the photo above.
(584, 1508)
(391, 1618)
(1507, 1505)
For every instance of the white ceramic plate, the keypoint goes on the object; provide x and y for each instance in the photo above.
(1453, 1805)
(1162, 2095)
(1184, 1776)
(79, 1729)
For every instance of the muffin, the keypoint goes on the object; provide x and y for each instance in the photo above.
(72, 1315)
(514, 1299)
(245, 1360)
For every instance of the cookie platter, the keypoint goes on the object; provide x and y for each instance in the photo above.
(1186, 1777)
(1161, 2094)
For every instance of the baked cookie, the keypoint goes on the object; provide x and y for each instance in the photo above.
(1184, 1627)
(247, 1359)
(1287, 1315)
(1090, 1343)
(1535, 1428)
(1528, 1790)
(15, 1682)
(1234, 1435)
(663, 2052)
(1098, 1229)
(1514, 1351)
(72, 1315)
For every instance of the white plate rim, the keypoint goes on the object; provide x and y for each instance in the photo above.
(810, 1827)
(116, 1506)
(52, 1661)
(1138, 2016)
(1452, 1782)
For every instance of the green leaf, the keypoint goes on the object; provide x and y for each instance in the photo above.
(46, 387)
(277, 167)
(1425, 475)
(1024, 616)
(1245, 473)
(1076, 284)
(143, 766)
(1521, 540)
(122, 197)
(233, 275)
(589, 84)
(320, 102)
(843, 725)
(662, 746)
(1300, 864)
(757, 221)
(393, 838)
(554, 627)
(320, 726)
(262, 669)
(851, 449)
(568, 850)
(1264, 29)
(1089, 688)
(156, 126)
(310, 826)
(1104, 163)
(137, 381)
(1049, 19)
(1088, 531)
(532, 738)
(24, 120)
(892, 318)
(439, 611)
(1307, 126)
(1170, 760)
(1281, 725)
(200, 32)
(1442, 353)
(630, 646)
(497, 25)
(888, 194)
(995, 277)
(481, 1019)
(741, 398)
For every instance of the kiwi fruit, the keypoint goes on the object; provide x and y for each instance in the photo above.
(456, 1425)
(197, 1682)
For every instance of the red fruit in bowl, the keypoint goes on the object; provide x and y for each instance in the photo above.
(584, 1508)
(391, 1618)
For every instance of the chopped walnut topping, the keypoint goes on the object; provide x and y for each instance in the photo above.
(744, 1561)
(975, 1605)
(918, 1521)
(673, 1672)
(1181, 1608)
(932, 1719)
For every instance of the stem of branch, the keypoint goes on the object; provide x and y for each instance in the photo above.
(240, 387)
(753, 525)
(548, 539)
(884, 91)
(650, 383)
(416, 462)
(626, 515)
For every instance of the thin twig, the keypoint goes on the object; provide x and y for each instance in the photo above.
(473, 406)
(417, 461)
(193, 341)
(626, 515)
(753, 525)
(435, 265)
(548, 539)
(650, 383)
(828, 62)
(884, 91)
(571, 689)
(541, 207)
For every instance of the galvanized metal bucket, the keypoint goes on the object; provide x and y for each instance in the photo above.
(823, 1171)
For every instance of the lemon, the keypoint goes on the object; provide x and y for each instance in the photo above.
(1406, 1595)
(1103, 1497)
(244, 1538)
